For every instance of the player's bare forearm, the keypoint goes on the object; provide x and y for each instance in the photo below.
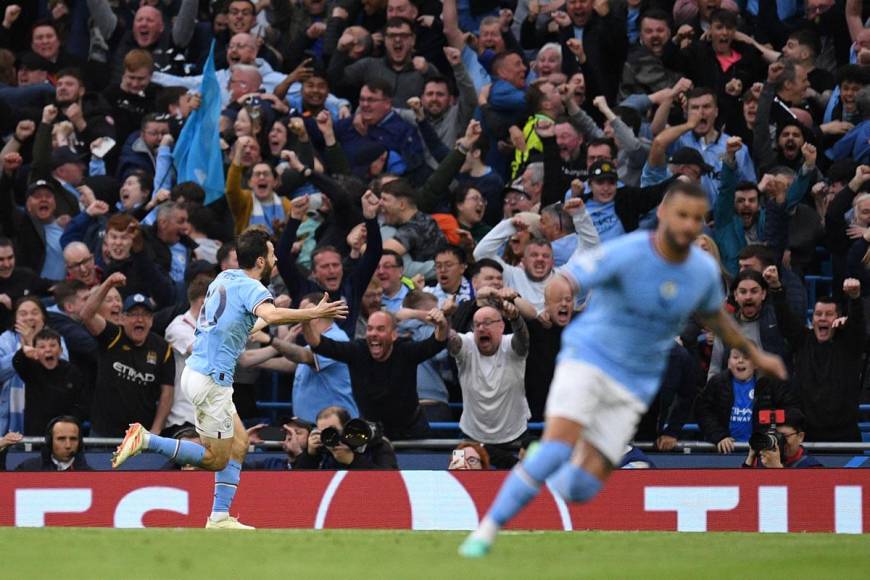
(520, 341)
(258, 326)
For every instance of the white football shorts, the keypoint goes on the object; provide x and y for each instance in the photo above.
(608, 412)
(213, 404)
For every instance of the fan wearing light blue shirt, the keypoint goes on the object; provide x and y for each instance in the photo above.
(236, 304)
(643, 289)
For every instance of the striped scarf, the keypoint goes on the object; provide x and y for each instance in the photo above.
(265, 214)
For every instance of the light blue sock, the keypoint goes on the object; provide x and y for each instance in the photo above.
(226, 482)
(177, 450)
(523, 483)
(575, 483)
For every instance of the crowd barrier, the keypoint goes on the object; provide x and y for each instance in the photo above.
(828, 500)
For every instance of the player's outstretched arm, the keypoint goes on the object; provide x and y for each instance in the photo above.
(724, 327)
(272, 315)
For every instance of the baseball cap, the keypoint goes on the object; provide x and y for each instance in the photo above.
(37, 185)
(64, 155)
(138, 299)
(603, 169)
(689, 156)
(32, 61)
(297, 421)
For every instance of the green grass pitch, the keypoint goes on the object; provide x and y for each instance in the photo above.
(166, 554)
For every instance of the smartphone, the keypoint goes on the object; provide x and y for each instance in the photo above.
(272, 433)
(458, 457)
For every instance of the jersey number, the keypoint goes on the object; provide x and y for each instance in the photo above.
(207, 321)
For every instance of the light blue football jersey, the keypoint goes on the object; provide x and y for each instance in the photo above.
(224, 323)
(638, 303)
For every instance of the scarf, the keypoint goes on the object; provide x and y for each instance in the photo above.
(265, 215)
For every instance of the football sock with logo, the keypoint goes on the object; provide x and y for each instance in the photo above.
(226, 482)
(522, 485)
(177, 450)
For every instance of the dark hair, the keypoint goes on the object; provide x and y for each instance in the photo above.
(482, 145)
(377, 84)
(795, 419)
(791, 123)
(746, 186)
(189, 190)
(535, 97)
(458, 252)
(203, 219)
(66, 290)
(153, 118)
(827, 300)
(250, 245)
(313, 297)
(853, 73)
(169, 96)
(441, 80)
(748, 275)
(146, 180)
(654, 14)
(763, 253)
(198, 287)
(340, 412)
(224, 251)
(6, 242)
(72, 71)
(398, 22)
(395, 254)
(679, 187)
(698, 92)
(44, 22)
(479, 265)
(31, 298)
(614, 151)
(401, 188)
(463, 191)
(726, 18)
(807, 37)
(415, 299)
(46, 334)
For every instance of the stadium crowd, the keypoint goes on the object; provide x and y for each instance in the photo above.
(433, 163)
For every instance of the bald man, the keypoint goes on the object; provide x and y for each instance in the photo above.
(545, 333)
(80, 264)
(491, 371)
(147, 31)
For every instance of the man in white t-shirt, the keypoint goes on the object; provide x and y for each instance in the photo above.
(180, 334)
(491, 370)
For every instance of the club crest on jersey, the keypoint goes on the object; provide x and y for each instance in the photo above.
(668, 290)
(151, 358)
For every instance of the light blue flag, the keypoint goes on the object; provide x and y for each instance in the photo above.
(197, 153)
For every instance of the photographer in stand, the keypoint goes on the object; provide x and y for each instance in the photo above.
(339, 442)
(780, 444)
